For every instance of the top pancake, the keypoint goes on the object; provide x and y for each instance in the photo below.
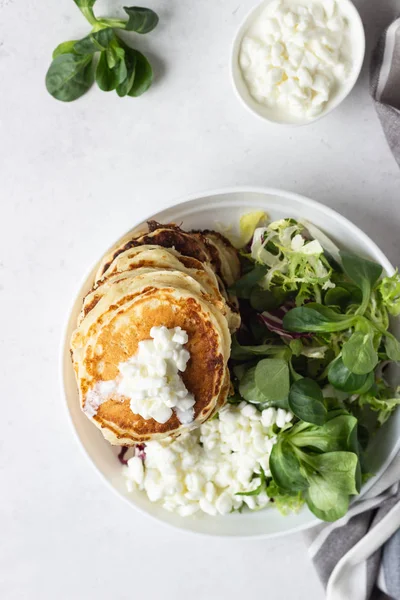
(114, 337)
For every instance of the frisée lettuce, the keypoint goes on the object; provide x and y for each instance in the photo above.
(296, 264)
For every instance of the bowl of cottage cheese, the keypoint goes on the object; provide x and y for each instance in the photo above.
(294, 61)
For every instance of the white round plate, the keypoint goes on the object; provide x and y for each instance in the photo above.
(211, 210)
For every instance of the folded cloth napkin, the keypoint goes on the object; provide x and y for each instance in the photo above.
(385, 84)
(358, 557)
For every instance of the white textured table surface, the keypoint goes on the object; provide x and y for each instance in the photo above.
(73, 178)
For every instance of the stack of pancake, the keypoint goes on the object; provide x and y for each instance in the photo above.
(164, 277)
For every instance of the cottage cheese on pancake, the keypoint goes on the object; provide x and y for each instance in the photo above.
(151, 379)
(113, 339)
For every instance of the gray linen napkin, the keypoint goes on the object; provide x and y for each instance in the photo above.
(376, 575)
(385, 85)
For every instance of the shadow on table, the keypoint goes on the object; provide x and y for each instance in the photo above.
(376, 16)
(159, 66)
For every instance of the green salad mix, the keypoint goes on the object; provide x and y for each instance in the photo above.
(315, 340)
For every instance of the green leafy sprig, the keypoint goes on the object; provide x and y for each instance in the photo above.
(119, 67)
(321, 462)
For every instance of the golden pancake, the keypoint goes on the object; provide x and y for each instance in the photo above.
(228, 264)
(127, 289)
(129, 281)
(164, 258)
(166, 236)
(117, 339)
(136, 259)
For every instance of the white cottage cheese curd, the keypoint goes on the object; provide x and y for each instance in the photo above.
(203, 470)
(296, 55)
(151, 379)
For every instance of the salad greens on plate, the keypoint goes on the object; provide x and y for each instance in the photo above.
(315, 340)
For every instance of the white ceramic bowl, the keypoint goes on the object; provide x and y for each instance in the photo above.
(204, 211)
(268, 114)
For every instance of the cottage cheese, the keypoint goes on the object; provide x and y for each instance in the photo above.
(204, 469)
(296, 55)
(151, 379)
